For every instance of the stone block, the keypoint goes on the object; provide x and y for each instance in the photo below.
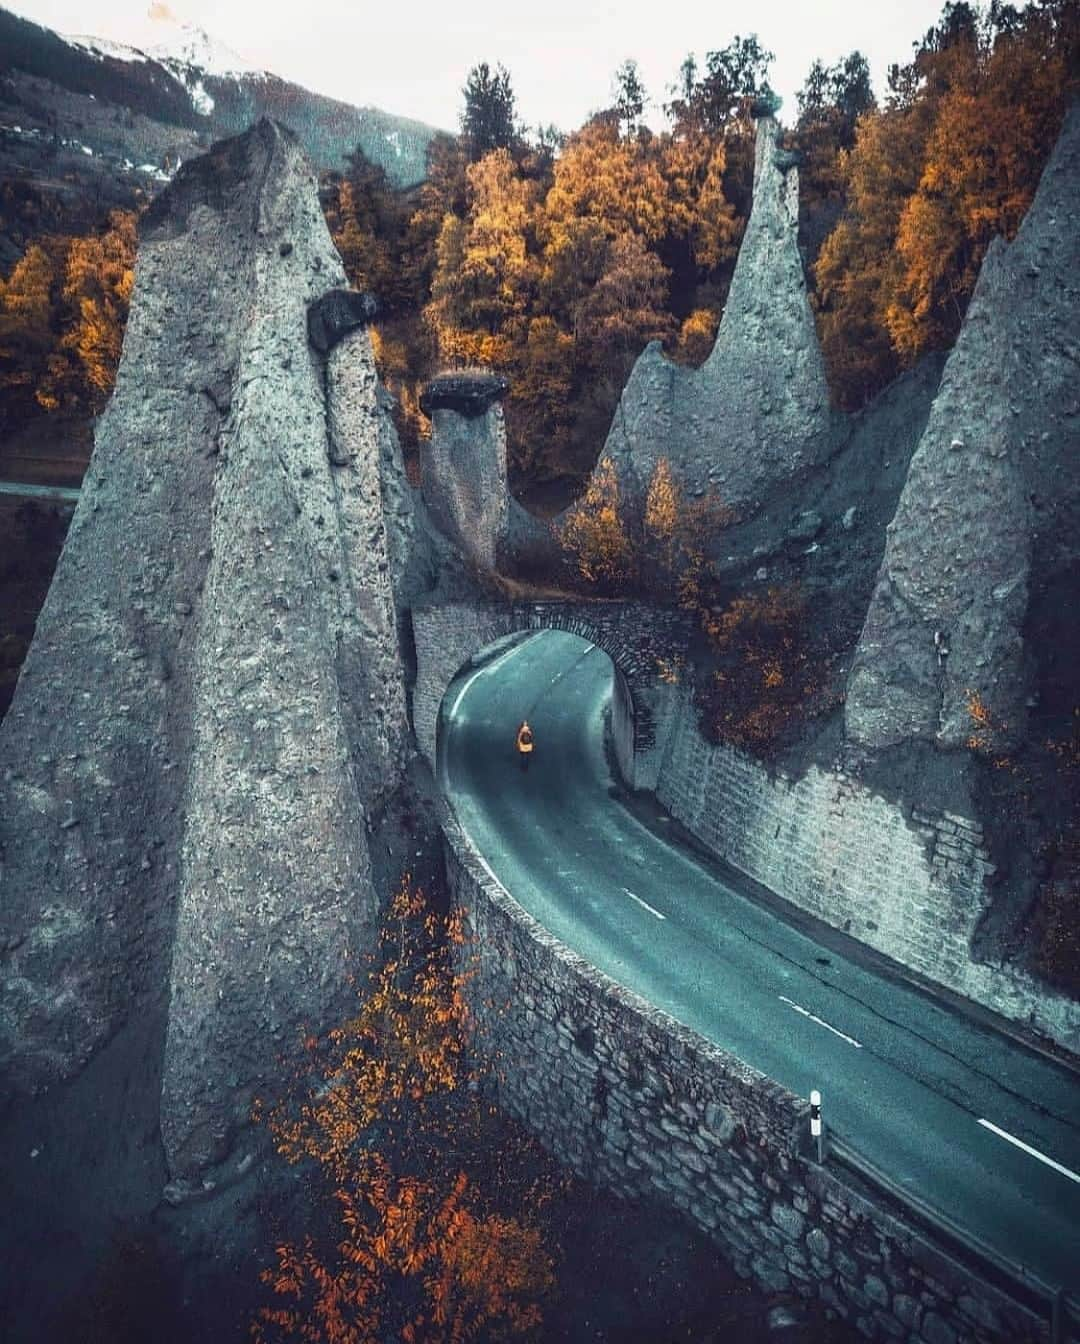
(848, 1267)
(790, 1221)
(889, 1326)
(771, 1277)
(907, 1310)
(980, 1311)
(876, 1290)
(936, 1330)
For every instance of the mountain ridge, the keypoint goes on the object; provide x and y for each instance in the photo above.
(210, 101)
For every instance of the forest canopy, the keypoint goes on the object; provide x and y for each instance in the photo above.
(556, 258)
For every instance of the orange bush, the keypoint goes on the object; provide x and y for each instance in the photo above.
(424, 1254)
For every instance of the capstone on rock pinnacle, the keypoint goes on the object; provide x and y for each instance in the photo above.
(339, 311)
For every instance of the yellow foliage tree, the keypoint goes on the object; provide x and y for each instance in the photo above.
(593, 534)
(26, 312)
(98, 281)
(617, 182)
(421, 1257)
(697, 335)
(951, 162)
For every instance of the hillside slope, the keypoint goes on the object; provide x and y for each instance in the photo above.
(189, 88)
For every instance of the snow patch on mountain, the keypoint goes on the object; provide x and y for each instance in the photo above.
(160, 36)
(102, 47)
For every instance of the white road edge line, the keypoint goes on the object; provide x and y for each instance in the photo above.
(644, 904)
(820, 1021)
(488, 667)
(1034, 1152)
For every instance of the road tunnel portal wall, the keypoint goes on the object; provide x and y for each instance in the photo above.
(630, 1099)
(637, 639)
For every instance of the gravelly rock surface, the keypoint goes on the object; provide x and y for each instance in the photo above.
(992, 499)
(757, 411)
(463, 468)
(183, 786)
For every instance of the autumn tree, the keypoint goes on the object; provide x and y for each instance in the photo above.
(63, 311)
(951, 161)
(594, 535)
(482, 281)
(626, 307)
(718, 104)
(734, 76)
(26, 328)
(416, 1263)
(542, 410)
(434, 1244)
(830, 103)
(367, 223)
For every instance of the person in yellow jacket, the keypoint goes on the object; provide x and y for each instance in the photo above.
(524, 743)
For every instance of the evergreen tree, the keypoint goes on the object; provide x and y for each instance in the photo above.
(629, 96)
(487, 121)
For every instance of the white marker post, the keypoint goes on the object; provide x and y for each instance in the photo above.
(817, 1132)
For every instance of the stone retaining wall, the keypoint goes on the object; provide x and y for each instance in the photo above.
(910, 884)
(630, 1099)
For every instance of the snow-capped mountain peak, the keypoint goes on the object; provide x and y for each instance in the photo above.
(162, 36)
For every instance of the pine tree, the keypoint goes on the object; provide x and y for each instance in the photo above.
(487, 121)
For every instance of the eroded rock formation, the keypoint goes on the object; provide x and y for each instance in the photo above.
(757, 411)
(992, 497)
(463, 464)
(214, 699)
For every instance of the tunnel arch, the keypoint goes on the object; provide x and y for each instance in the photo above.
(622, 714)
(635, 637)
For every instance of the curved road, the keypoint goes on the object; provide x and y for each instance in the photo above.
(939, 1102)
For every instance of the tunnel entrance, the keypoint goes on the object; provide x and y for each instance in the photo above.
(639, 641)
(513, 656)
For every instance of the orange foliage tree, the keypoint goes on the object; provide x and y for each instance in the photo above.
(773, 667)
(98, 280)
(950, 162)
(27, 336)
(424, 1254)
(593, 534)
(63, 311)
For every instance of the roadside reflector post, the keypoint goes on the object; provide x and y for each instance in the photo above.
(817, 1129)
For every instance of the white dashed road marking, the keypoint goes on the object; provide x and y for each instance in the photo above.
(1034, 1152)
(821, 1022)
(644, 904)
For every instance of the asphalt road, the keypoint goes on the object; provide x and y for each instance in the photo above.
(56, 493)
(939, 1102)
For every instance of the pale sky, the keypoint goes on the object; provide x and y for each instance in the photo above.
(412, 60)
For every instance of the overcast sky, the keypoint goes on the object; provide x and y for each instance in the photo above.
(412, 59)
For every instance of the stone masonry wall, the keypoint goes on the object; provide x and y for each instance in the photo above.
(630, 1099)
(911, 885)
(635, 637)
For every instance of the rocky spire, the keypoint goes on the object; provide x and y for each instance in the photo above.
(213, 697)
(757, 411)
(991, 500)
(463, 464)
